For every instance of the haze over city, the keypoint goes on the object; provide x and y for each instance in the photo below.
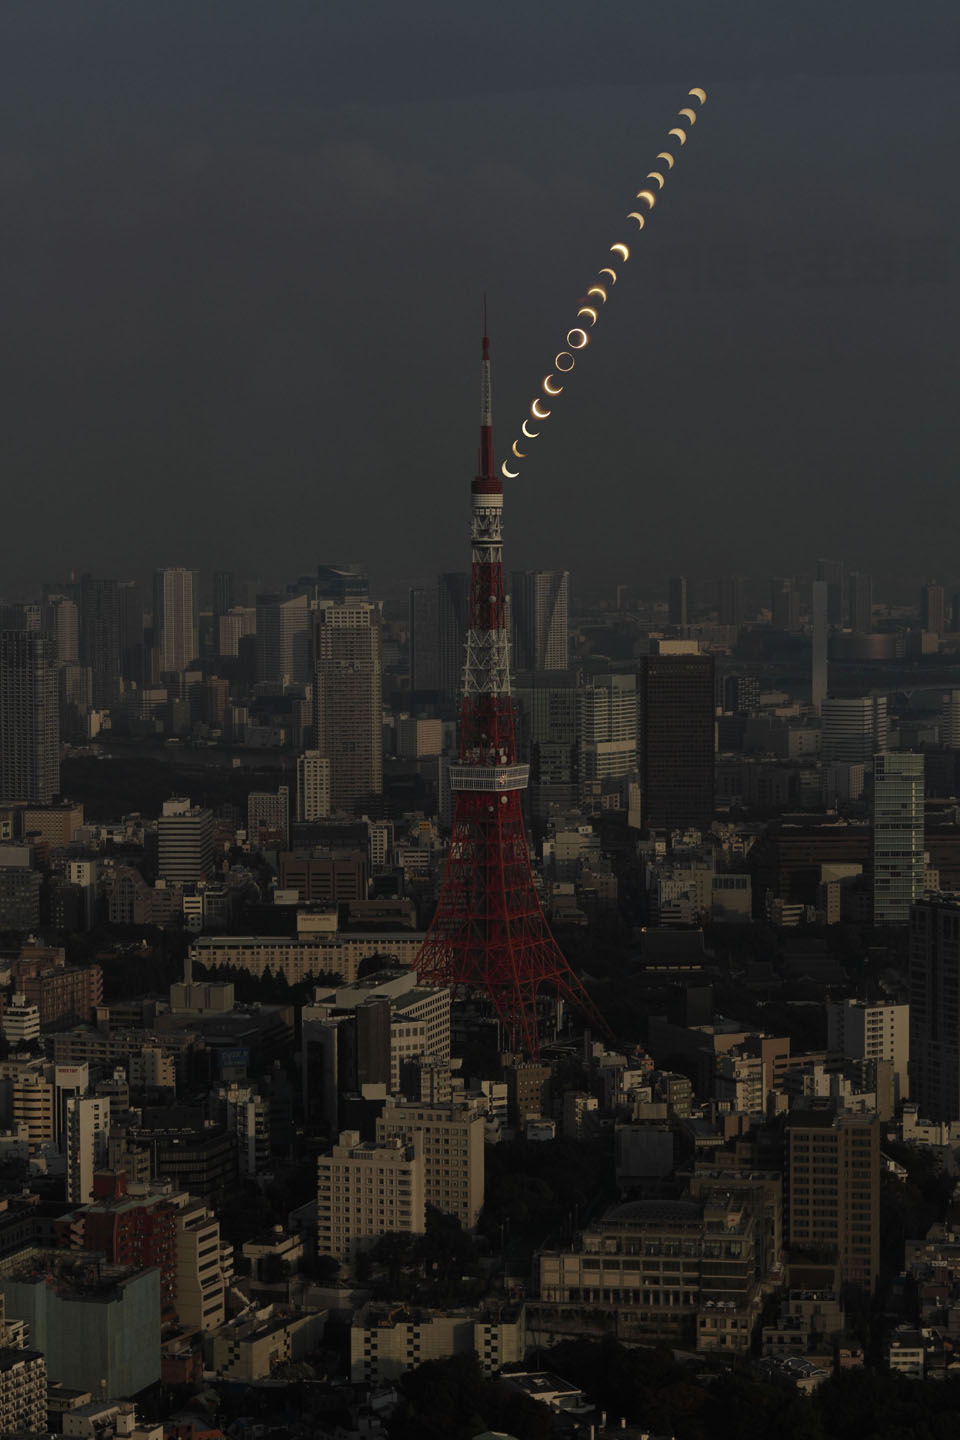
(244, 251)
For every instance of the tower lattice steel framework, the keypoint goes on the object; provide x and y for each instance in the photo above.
(490, 933)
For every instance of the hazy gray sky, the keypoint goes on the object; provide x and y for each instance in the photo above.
(243, 246)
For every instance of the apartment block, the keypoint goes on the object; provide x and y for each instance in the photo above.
(365, 1190)
(451, 1141)
(833, 1189)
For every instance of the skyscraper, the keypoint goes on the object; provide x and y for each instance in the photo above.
(677, 600)
(860, 602)
(729, 601)
(29, 718)
(854, 728)
(313, 786)
(342, 582)
(100, 638)
(283, 640)
(224, 592)
(130, 627)
(539, 619)
(424, 640)
(818, 659)
(677, 710)
(897, 836)
(546, 705)
(950, 719)
(62, 623)
(784, 605)
(933, 609)
(606, 730)
(175, 618)
(348, 703)
(934, 1009)
(453, 612)
(833, 1178)
(832, 572)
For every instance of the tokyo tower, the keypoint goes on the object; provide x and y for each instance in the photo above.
(490, 933)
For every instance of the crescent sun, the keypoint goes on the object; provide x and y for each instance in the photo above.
(655, 175)
(520, 454)
(667, 158)
(537, 412)
(647, 195)
(510, 474)
(607, 271)
(530, 434)
(598, 290)
(690, 115)
(680, 134)
(700, 94)
(640, 219)
(621, 250)
(588, 310)
(548, 388)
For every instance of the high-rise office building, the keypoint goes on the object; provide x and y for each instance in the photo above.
(283, 640)
(185, 836)
(833, 1189)
(730, 601)
(100, 638)
(62, 624)
(606, 730)
(348, 703)
(232, 625)
(313, 786)
(424, 640)
(677, 715)
(818, 659)
(175, 613)
(897, 836)
(933, 615)
(739, 694)
(854, 728)
(539, 619)
(224, 592)
(784, 605)
(130, 622)
(832, 573)
(29, 718)
(342, 582)
(268, 818)
(860, 602)
(950, 719)
(935, 1007)
(546, 709)
(677, 600)
(453, 617)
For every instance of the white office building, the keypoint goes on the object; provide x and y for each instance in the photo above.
(898, 865)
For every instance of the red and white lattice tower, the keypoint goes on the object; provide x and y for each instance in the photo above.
(490, 933)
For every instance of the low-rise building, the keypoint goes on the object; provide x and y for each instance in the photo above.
(675, 1271)
(387, 1340)
(252, 1348)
